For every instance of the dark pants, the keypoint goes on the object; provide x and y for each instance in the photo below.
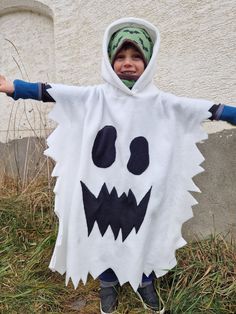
(109, 276)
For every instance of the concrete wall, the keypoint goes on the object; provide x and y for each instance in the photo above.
(60, 41)
(216, 209)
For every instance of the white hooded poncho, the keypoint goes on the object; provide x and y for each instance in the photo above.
(124, 166)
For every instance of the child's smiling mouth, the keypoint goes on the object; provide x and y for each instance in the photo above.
(128, 72)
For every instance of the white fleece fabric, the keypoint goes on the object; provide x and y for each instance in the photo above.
(169, 128)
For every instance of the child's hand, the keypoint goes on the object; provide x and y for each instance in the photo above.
(6, 86)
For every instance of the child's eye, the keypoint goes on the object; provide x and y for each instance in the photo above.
(137, 57)
(120, 57)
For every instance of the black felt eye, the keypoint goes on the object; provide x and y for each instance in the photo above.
(104, 151)
(139, 155)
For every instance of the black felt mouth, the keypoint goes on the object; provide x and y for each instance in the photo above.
(121, 213)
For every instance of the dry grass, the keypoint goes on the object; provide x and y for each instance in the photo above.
(203, 282)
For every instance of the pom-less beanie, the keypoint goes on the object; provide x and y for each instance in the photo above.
(134, 35)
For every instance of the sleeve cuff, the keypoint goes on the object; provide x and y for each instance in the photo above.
(26, 90)
(228, 114)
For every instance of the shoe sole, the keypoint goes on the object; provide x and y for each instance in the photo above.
(162, 311)
(102, 312)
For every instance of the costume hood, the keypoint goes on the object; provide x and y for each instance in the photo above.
(146, 78)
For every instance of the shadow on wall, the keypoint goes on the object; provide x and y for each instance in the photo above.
(22, 161)
(216, 209)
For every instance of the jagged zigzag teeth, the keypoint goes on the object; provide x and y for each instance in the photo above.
(121, 213)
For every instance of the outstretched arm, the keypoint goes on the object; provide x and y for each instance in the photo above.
(223, 113)
(229, 114)
(25, 90)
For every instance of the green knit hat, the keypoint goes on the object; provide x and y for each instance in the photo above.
(135, 35)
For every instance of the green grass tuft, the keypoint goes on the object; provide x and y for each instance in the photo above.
(204, 280)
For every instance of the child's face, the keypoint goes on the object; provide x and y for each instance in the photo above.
(129, 61)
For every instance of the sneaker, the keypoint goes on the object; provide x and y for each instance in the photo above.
(109, 299)
(150, 299)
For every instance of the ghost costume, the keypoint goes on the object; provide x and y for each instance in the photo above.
(124, 166)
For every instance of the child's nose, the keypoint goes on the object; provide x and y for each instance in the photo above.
(127, 62)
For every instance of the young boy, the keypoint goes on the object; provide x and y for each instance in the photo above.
(122, 227)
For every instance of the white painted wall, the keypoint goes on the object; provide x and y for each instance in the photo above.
(27, 52)
(60, 41)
